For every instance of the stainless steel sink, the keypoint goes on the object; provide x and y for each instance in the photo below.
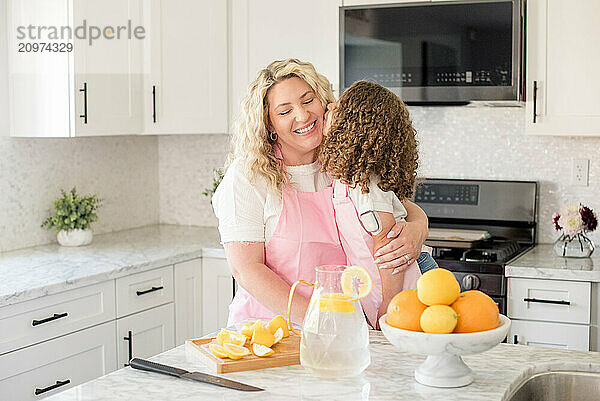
(559, 385)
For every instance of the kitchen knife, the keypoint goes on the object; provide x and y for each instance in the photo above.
(150, 366)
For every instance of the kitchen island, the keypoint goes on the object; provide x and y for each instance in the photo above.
(389, 377)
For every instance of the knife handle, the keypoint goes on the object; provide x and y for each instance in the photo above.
(150, 366)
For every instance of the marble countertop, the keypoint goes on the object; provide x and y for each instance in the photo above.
(48, 269)
(541, 262)
(389, 377)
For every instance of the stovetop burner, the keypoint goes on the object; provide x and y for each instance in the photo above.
(491, 251)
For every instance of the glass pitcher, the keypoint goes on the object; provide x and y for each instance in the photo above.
(335, 337)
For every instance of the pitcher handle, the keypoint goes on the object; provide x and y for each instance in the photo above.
(289, 310)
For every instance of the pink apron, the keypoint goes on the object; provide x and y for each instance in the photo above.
(305, 237)
(358, 245)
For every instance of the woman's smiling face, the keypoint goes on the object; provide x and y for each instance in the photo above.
(296, 115)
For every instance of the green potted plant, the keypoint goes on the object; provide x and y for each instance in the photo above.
(73, 215)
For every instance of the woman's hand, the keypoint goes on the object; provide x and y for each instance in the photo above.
(409, 237)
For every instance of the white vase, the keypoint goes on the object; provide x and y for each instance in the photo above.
(75, 237)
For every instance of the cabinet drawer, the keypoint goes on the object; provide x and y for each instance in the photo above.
(549, 300)
(55, 365)
(144, 290)
(551, 335)
(51, 316)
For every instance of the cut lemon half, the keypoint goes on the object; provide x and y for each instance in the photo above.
(261, 350)
(262, 335)
(363, 279)
(217, 350)
(235, 351)
(278, 335)
(248, 329)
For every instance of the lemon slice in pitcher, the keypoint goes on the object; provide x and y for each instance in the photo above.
(365, 283)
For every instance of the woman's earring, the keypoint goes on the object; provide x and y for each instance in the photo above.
(273, 136)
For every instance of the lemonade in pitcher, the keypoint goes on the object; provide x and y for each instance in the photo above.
(335, 336)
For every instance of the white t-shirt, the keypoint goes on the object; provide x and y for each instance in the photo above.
(249, 212)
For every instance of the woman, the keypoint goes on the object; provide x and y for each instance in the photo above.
(274, 205)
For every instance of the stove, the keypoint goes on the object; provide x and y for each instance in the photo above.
(504, 209)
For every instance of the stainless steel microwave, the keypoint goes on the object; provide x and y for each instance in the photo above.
(440, 52)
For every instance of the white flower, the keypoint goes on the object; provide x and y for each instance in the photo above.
(570, 220)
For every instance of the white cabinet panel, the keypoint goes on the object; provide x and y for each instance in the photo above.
(188, 300)
(152, 332)
(186, 89)
(217, 293)
(145, 290)
(549, 300)
(562, 60)
(63, 362)
(47, 317)
(552, 335)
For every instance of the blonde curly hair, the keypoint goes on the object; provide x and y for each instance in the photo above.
(250, 141)
(371, 134)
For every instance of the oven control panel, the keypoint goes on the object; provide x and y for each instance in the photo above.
(455, 194)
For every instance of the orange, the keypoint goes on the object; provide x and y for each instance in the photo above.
(437, 287)
(404, 311)
(439, 319)
(476, 312)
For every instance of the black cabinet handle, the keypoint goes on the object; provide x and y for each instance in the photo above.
(150, 290)
(535, 88)
(58, 384)
(49, 319)
(129, 339)
(233, 286)
(516, 340)
(154, 103)
(85, 113)
(546, 301)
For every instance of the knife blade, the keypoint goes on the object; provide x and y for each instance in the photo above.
(149, 366)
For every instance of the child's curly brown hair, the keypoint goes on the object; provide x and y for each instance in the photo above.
(371, 133)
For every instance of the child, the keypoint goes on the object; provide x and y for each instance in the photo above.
(370, 150)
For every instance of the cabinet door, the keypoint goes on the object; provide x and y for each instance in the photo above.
(188, 300)
(147, 333)
(53, 366)
(551, 335)
(108, 70)
(562, 62)
(263, 31)
(186, 92)
(218, 288)
(39, 84)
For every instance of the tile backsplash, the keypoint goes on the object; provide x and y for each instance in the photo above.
(146, 180)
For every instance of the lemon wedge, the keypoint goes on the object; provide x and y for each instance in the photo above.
(217, 350)
(237, 338)
(262, 335)
(261, 350)
(223, 336)
(365, 283)
(248, 329)
(278, 335)
(278, 322)
(235, 351)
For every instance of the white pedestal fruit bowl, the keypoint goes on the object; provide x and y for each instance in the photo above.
(444, 366)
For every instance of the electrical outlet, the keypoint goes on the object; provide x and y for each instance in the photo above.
(580, 172)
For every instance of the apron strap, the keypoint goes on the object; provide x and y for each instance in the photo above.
(339, 190)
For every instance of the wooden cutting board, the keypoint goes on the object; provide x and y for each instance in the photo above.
(287, 352)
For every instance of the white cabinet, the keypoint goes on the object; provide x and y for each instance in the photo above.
(551, 313)
(263, 31)
(218, 288)
(562, 62)
(186, 55)
(188, 300)
(93, 89)
(145, 334)
(377, 2)
(551, 335)
(144, 290)
(41, 370)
